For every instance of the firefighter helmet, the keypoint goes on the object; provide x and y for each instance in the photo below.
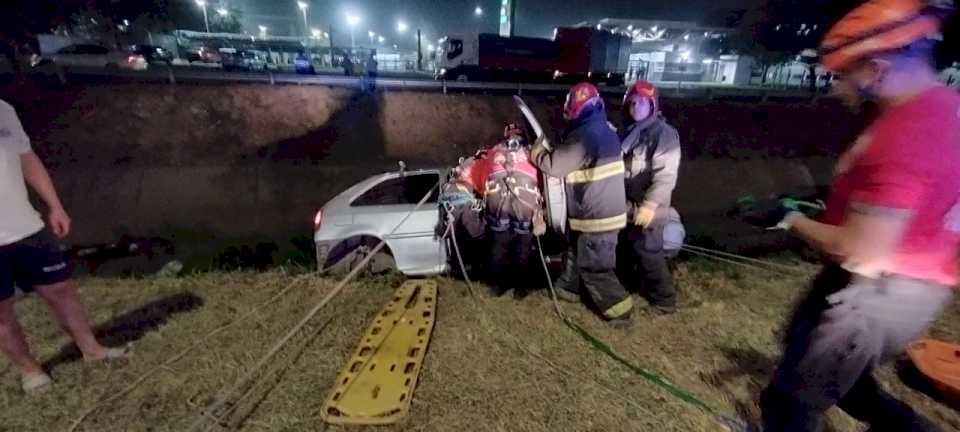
(581, 97)
(880, 26)
(644, 89)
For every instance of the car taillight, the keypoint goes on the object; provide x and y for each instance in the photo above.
(318, 219)
(133, 59)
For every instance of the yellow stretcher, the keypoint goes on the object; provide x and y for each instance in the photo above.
(376, 387)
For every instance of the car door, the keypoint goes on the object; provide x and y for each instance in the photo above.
(383, 209)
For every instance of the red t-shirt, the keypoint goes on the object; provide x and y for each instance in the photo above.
(909, 159)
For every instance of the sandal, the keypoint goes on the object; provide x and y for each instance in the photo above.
(110, 354)
(35, 383)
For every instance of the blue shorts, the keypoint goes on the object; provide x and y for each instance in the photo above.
(37, 260)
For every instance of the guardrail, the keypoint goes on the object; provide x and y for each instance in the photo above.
(174, 75)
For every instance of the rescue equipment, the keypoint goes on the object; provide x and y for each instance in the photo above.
(376, 387)
(939, 362)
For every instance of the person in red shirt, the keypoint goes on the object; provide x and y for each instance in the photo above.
(891, 228)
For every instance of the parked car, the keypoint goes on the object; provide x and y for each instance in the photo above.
(204, 55)
(91, 55)
(153, 54)
(304, 65)
(242, 60)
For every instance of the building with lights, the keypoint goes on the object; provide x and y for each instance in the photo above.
(678, 51)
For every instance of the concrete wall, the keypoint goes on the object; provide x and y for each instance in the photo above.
(205, 164)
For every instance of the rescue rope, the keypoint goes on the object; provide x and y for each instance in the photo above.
(730, 423)
(605, 348)
(523, 347)
(177, 357)
(221, 399)
(763, 263)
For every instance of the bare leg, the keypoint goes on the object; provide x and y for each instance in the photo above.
(63, 301)
(13, 343)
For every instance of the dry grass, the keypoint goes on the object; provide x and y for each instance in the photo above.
(496, 365)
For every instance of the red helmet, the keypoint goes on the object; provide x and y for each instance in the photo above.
(644, 89)
(878, 26)
(581, 96)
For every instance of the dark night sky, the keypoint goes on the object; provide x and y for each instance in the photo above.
(535, 17)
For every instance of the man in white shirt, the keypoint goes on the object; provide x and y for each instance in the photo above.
(31, 256)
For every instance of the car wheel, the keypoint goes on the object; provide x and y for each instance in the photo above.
(463, 78)
(347, 254)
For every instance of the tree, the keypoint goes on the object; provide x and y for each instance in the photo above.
(753, 39)
(778, 30)
(226, 24)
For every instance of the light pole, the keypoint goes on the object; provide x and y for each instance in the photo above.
(203, 5)
(381, 39)
(352, 21)
(263, 31)
(372, 36)
(303, 9)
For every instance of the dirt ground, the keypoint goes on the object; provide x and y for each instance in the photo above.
(492, 365)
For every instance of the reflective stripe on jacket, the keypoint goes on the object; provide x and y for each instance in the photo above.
(589, 158)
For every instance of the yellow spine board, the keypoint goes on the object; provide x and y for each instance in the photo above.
(376, 386)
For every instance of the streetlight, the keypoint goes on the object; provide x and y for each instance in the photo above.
(263, 31)
(401, 27)
(203, 5)
(222, 12)
(381, 39)
(372, 35)
(352, 21)
(316, 33)
(303, 9)
(430, 47)
(478, 11)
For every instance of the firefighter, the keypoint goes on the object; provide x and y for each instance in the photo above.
(651, 151)
(460, 207)
(588, 158)
(512, 203)
(891, 228)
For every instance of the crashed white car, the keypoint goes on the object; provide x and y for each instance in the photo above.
(349, 226)
(355, 221)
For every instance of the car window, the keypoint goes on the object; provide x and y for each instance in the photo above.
(400, 191)
(72, 49)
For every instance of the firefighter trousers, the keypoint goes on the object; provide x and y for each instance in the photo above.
(510, 258)
(845, 328)
(643, 265)
(589, 269)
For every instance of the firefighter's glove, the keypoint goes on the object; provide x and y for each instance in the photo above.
(643, 215)
(542, 145)
(539, 224)
(780, 214)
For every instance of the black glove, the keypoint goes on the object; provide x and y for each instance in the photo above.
(779, 214)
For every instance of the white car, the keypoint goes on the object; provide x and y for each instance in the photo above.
(91, 55)
(357, 219)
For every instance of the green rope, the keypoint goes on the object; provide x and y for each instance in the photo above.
(647, 374)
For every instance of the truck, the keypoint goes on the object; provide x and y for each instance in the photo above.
(574, 54)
